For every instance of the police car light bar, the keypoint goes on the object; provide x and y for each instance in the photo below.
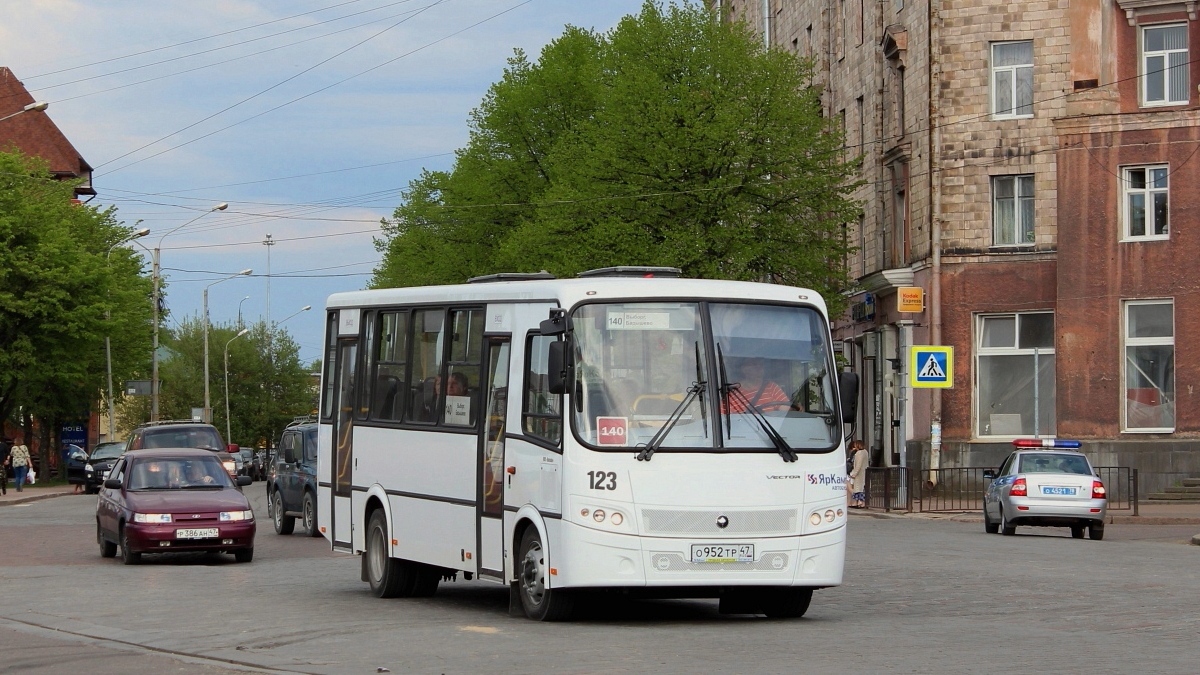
(1046, 443)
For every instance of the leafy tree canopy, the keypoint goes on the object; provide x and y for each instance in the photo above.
(66, 283)
(674, 139)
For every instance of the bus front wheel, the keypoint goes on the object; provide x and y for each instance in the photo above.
(540, 602)
(787, 603)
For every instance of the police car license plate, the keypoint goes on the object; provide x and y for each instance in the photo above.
(202, 533)
(722, 553)
(1054, 490)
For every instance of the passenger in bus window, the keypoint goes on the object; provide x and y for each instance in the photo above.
(753, 388)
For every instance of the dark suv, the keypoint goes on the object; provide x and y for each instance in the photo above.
(292, 479)
(183, 434)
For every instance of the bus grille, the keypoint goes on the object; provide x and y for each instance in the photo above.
(763, 523)
(771, 561)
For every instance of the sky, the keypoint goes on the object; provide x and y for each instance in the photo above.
(307, 117)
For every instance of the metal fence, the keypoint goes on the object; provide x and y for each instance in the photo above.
(962, 488)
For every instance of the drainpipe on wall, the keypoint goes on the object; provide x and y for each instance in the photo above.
(935, 237)
(766, 10)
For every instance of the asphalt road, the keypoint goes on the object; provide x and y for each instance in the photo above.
(922, 596)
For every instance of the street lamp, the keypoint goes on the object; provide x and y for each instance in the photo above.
(107, 345)
(156, 273)
(228, 428)
(207, 409)
(36, 105)
(240, 310)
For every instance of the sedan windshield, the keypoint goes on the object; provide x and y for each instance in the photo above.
(108, 451)
(183, 438)
(175, 473)
(760, 371)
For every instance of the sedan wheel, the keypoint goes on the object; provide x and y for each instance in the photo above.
(1077, 531)
(1096, 531)
(1006, 529)
(127, 556)
(107, 548)
(988, 525)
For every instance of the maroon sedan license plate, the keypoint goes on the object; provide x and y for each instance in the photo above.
(199, 533)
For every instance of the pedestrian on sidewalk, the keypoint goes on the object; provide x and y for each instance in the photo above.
(858, 475)
(19, 458)
(5, 444)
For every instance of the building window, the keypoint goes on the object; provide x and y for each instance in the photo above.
(1012, 79)
(1012, 210)
(1150, 366)
(1165, 65)
(1145, 201)
(1015, 370)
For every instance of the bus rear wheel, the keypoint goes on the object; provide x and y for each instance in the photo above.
(389, 577)
(540, 602)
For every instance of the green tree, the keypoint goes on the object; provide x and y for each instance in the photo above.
(61, 294)
(674, 139)
(268, 384)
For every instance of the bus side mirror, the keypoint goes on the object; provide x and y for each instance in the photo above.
(848, 396)
(556, 324)
(556, 367)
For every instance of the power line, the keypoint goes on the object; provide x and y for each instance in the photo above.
(219, 63)
(264, 91)
(339, 82)
(192, 41)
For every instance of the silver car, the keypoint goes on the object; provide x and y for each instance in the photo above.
(1045, 488)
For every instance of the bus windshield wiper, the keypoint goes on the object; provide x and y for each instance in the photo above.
(785, 450)
(700, 378)
(647, 452)
(724, 387)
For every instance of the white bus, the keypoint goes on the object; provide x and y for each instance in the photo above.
(627, 430)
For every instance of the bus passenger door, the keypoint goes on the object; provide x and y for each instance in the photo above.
(491, 510)
(343, 446)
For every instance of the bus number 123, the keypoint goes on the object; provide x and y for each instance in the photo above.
(601, 480)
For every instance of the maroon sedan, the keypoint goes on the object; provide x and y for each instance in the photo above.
(173, 499)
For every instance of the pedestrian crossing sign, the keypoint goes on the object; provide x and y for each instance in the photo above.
(931, 367)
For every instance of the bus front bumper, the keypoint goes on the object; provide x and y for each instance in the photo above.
(588, 558)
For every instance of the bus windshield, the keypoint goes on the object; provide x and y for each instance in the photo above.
(636, 363)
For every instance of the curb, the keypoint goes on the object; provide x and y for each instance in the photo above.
(32, 498)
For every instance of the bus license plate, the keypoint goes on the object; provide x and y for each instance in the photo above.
(722, 553)
(206, 533)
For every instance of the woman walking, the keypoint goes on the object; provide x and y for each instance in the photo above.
(858, 475)
(19, 458)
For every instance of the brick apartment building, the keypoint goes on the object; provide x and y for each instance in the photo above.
(1033, 167)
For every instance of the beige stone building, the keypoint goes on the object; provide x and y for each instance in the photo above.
(1020, 166)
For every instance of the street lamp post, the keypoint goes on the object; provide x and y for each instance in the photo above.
(107, 345)
(228, 427)
(156, 273)
(207, 408)
(240, 310)
(36, 105)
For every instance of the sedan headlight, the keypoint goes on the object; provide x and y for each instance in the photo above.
(230, 516)
(89, 468)
(229, 466)
(151, 517)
